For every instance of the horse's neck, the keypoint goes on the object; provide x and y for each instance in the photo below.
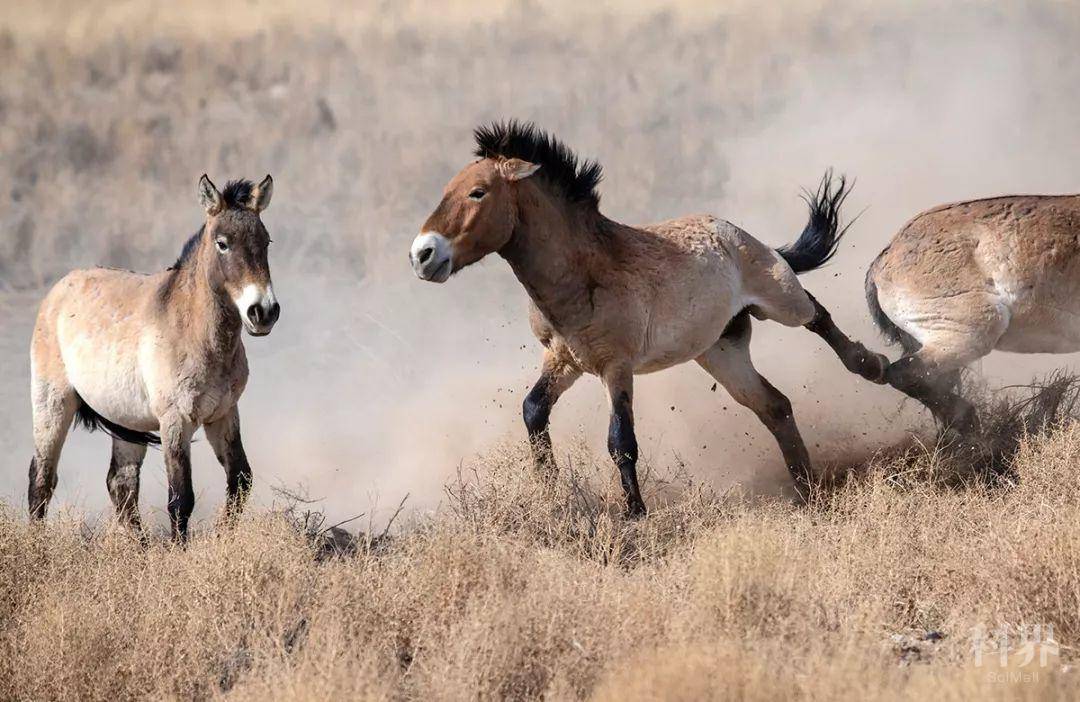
(210, 325)
(552, 253)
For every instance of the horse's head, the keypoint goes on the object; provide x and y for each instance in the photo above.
(476, 216)
(237, 252)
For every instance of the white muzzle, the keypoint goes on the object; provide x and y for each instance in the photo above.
(431, 257)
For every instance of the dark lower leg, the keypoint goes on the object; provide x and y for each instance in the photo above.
(778, 417)
(123, 484)
(42, 483)
(237, 482)
(622, 445)
(935, 390)
(536, 411)
(181, 494)
(855, 357)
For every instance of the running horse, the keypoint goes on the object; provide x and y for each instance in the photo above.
(614, 300)
(136, 354)
(963, 279)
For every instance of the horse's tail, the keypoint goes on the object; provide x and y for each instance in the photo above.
(889, 331)
(822, 233)
(88, 419)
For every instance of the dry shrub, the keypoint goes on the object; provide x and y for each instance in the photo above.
(512, 590)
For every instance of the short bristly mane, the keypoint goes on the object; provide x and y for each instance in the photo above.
(236, 195)
(577, 180)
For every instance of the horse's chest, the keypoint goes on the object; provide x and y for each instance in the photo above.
(205, 394)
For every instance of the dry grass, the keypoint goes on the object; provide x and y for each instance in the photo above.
(511, 591)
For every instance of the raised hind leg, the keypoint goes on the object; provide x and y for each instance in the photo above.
(54, 406)
(855, 357)
(728, 361)
(556, 376)
(123, 480)
(224, 437)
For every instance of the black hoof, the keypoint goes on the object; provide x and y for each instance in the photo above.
(870, 365)
(635, 509)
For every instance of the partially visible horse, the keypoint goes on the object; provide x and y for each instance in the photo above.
(614, 300)
(961, 280)
(134, 354)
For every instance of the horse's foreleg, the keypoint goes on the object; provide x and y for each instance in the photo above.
(556, 377)
(224, 438)
(855, 357)
(622, 444)
(123, 480)
(176, 444)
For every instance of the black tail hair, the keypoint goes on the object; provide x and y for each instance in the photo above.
(90, 420)
(821, 236)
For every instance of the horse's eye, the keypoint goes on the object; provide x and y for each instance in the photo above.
(477, 193)
(222, 245)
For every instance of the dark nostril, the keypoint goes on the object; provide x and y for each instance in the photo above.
(275, 312)
(255, 314)
(425, 255)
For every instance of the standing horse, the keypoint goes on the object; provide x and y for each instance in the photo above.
(613, 300)
(134, 354)
(961, 280)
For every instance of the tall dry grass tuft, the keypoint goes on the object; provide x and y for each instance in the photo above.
(517, 590)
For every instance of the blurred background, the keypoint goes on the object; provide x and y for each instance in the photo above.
(374, 384)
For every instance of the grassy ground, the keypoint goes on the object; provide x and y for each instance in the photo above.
(879, 591)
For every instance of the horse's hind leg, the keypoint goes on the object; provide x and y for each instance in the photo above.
(728, 361)
(54, 406)
(855, 357)
(123, 480)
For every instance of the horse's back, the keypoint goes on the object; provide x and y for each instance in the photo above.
(757, 276)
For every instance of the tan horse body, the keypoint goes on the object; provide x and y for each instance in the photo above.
(134, 354)
(961, 280)
(614, 301)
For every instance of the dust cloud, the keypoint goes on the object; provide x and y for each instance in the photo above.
(375, 385)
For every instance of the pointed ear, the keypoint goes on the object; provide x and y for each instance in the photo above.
(260, 195)
(516, 169)
(209, 197)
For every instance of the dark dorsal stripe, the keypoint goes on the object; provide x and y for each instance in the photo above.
(577, 180)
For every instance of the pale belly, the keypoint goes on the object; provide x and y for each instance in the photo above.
(671, 343)
(106, 373)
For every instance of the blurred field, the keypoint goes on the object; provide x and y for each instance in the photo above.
(375, 386)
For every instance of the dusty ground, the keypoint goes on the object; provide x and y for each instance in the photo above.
(109, 112)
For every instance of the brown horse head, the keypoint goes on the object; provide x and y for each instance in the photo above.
(234, 248)
(479, 208)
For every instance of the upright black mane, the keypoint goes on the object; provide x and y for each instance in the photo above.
(237, 193)
(558, 164)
